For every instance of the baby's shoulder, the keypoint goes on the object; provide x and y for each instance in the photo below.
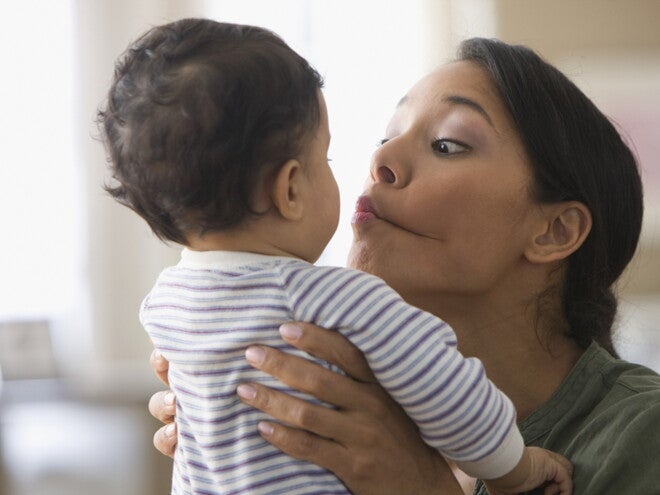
(296, 269)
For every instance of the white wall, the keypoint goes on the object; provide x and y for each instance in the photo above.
(370, 52)
(58, 224)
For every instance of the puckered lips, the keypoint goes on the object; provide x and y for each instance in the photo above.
(365, 211)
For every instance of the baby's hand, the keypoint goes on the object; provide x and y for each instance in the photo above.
(537, 468)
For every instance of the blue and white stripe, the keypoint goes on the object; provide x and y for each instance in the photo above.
(204, 312)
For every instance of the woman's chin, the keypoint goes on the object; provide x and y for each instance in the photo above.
(358, 257)
(374, 258)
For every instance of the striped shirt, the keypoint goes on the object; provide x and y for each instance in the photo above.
(204, 312)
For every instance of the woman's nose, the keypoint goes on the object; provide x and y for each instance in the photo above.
(387, 166)
(385, 174)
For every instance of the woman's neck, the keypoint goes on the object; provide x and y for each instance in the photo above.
(525, 356)
(529, 371)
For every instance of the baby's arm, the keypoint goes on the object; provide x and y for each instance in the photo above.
(537, 467)
(413, 354)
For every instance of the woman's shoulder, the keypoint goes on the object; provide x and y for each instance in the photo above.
(604, 418)
(628, 386)
(608, 391)
(610, 427)
(618, 447)
(635, 379)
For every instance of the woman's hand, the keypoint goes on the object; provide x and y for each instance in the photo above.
(162, 406)
(367, 441)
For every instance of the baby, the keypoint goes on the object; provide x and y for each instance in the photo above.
(217, 136)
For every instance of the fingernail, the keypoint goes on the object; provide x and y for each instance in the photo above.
(156, 354)
(169, 398)
(266, 429)
(246, 391)
(290, 331)
(255, 355)
(169, 430)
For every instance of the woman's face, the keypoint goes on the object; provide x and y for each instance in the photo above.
(446, 209)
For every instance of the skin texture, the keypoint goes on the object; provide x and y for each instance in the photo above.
(459, 235)
(450, 224)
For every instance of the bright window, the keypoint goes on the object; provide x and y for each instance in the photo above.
(367, 68)
(39, 192)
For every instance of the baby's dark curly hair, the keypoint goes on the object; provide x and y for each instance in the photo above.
(197, 112)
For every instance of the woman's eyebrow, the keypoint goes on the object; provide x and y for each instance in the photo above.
(462, 100)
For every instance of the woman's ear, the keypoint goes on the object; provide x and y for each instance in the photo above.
(286, 190)
(565, 227)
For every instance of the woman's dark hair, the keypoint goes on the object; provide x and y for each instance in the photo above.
(197, 111)
(576, 154)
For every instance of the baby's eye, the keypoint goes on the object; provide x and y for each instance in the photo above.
(381, 142)
(448, 147)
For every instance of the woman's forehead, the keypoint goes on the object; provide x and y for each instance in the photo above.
(459, 76)
(461, 81)
(456, 75)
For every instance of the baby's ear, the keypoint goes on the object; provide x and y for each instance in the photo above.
(285, 191)
(562, 230)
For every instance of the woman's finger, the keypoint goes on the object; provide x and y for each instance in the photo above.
(366, 440)
(296, 412)
(307, 376)
(162, 406)
(329, 345)
(357, 467)
(165, 440)
(368, 467)
(306, 446)
(160, 365)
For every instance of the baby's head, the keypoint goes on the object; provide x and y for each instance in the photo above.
(197, 114)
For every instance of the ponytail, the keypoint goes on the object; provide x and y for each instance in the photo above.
(576, 154)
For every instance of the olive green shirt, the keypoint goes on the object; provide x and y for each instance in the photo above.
(605, 418)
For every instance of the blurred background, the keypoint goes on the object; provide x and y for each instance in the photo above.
(74, 265)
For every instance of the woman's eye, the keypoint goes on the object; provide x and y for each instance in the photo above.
(448, 147)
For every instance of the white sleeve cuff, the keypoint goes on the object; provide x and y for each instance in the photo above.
(499, 462)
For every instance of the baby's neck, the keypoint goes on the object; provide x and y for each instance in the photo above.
(219, 242)
(236, 241)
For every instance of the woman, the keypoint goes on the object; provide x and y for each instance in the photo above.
(503, 201)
